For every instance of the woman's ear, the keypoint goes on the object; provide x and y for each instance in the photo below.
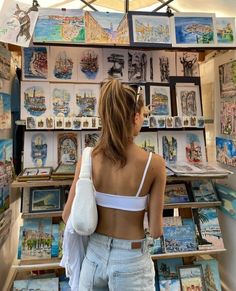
(136, 117)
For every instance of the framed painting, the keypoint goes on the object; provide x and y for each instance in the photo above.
(90, 65)
(225, 29)
(35, 63)
(227, 79)
(147, 141)
(188, 100)
(160, 100)
(149, 29)
(106, 28)
(36, 173)
(63, 64)
(35, 100)
(164, 66)
(5, 111)
(187, 64)
(193, 29)
(45, 199)
(226, 151)
(89, 138)
(191, 278)
(60, 26)
(5, 60)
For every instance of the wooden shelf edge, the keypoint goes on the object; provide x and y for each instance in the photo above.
(197, 177)
(42, 214)
(185, 254)
(40, 183)
(25, 265)
(192, 205)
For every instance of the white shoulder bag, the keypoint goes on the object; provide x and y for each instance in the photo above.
(84, 216)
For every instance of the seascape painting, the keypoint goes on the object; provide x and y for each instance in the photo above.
(227, 78)
(167, 268)
(191, 278)
(5, 63)
(187, 64)
(35, 63)
(226, 151)
(150, 29)
(163, 66)
(106, 28)
(193, 29)
(225, 29)
(169, 285)
(60, 26)
(17, 22)
(228, 197)
(160, 100)
(5, 111)
(42, 199)
(203, 191)
(147, 141)
(176, 193)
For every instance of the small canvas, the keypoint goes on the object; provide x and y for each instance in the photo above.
(63, 64)
(40, 123)
(115, 64)
(49, 122)
(228, 197)
(170, 285)
(226, 151)
(89, 138)
(35, 63)
(176, 193)
(60, 26)
(90, 65)
(19, 285)
(5, 111)
(187, 64)
(191, 276)
(225, 29)
(147, 141)
(164, 66)
(30, 122)
(169, 122)
(55, 240)
(203, 191)
(5, 61)
(49, 284)
(193, 29)
(139, 65)
(166, 268)
(227, 79)
(178, 123)
(106, 28)
(172, 221)
(35, 99)
(6, 151)
(160, 100)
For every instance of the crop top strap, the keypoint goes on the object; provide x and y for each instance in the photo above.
(144, 174)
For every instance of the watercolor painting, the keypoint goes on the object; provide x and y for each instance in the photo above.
(106, 28)
(188, 100)
(4, 202)
(226, 151)
(89, 139)
(35, 63)
(35, 99)
(115, 64)
(138, 66)
(6, 151)
(187, 64)
(191, 278)
(225, 29)
(17, 23)
(169, 285)
(150, 29)
(20, 285)
(169, 148)
(90, 65)
(60, 26)
(49, 284)
(86, 99)
(147, 141)
(227, 77)
(193, 148)
(167, 268)
(163, 66)
(193, 29)
(5, 63)
(5, 111)
(228, 197)
(67, 148)
(203, 191)
(160, 100)
(227, 117)
(176, 193)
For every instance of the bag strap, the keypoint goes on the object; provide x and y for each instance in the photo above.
(86, 164)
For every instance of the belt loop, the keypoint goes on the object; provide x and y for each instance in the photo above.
(109, 243)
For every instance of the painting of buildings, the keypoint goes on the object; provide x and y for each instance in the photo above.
(160, 100)
(5, 111)
(226, 151)
(225, 29)
(227, 77)
(5, 62)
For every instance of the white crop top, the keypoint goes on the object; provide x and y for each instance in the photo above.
(129, 203)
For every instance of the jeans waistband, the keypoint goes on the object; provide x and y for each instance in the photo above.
(116, 243)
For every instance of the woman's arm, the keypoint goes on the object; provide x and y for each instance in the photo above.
(157, 196)
(67, 208)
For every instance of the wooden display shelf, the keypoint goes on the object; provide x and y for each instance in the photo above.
(192, 205)
(186, 254)
(26, 265)
(40, 183)
(198, 177)
(41, 214)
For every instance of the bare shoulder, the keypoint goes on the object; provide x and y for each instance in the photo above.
(158, 164)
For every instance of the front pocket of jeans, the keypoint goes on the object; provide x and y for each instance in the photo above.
(87, 275)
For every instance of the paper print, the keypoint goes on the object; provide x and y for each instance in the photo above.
(227, 78)
(106, 28)
(138, 66)
(227, 117)
(17, 23)
(193, 29)
(160, 100)
(5, 111)
(178, 122)
(170, 148)
(67, 147)
(63, 64)
(5, 63)
(35, 63)
(35, 100)
(193, 148)
(163, 65)
(151, 29)
(169, 285)
(89, 139)
(228, 198)
(226, 151)
(5, 151)
(187, 64)
(60, 25)
(191, 277)
(86, 99)
(50, 284)
(167, 268)
(169, 122)
(90, 65)
(225, 29)
(147, 141)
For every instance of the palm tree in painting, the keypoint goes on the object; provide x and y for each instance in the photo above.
(200, 217)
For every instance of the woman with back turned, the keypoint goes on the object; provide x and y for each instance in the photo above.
(127, 180)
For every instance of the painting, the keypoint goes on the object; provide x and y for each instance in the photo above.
(228, 197)
(227, 78)
(5, 63)
(170, 148)
(106, 28)
(35, 100)
(67, 147)
(5, 111)
(4, 201)
(177, 122)
(187, 64)
(115, 64)
(169, 285)
(226, 151)
(147, 141)
(45, 199)
(86, 99)
(225, 29)
(227, 117)
(62, 99)
(139, 66)
(167, 268)
(89, 139)
(63, 64)
(191, 278)
(194, 148)
(176, 193)
(60, 26)
(17, 23)
(90, 65)
(160, 100)
(20, 285)
(203, 191)
(163, 66)
(38, 149)
(193, 29)
(6, 151)
(188, 100)
(48, 284)
(147, 28)
(35, 63)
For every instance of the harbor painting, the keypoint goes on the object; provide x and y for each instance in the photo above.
(160, 100)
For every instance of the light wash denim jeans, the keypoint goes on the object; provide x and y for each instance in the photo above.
(117, 265)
